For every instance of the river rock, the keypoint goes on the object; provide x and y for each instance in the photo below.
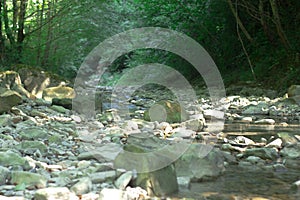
(255, 160)
(4, 174)
(184, 182)
(293, 90)
(259, 109)
(104, 153)
(277, 143)
(167, 111)
(161, 182)
(115, 194)
(296, 185)
(59, 109)
(5, 120)
(287, 138)
(156, 173)
(8, 99)
(64, 102)
(11, 198)
(36, 80)
(182, 132)
(10, 158)
(106, 176)
(9, 78)
(291, 151)
(203, 162)
(12, 81)
(57, 193)
(83, 186)
(265, 121)
(194, 124)
(213, 114)
(136, 193)
(59, 92)
(33, 133)
(32, 146)
(28, 178)
(263, 153)
(124, 180)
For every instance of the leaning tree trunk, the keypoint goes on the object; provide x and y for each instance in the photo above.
(2, 46)
(240, 23)
(279, 28)
(263, 22)
(40, 23)
(45, 59)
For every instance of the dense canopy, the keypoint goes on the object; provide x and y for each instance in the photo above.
(249, 40)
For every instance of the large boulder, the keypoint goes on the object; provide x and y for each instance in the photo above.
(9, 79)
(166, 110)
(200, 162)
(294, 93)
(155, 174)
(161, 182)
(8, 99)
(36, 80)
(294, 90)
(59, 92)
(12, 81)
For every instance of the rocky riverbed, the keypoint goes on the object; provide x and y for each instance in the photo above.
(247, 148)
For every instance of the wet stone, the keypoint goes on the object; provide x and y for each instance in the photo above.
(12, 159)
(83, 186)
(124, 180)
(29, 179)
(33, 133)
(105, 176)
(263, 153)
(4, 174)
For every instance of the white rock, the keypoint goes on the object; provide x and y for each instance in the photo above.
(276, 143)
(83, 186)
(184, 182)
(296, 185)
(115, 194)
(136, 193)
(55, 193)
(83, 164)
(246, 119)
(243, 140)
(265, 121)
(213, 114)
(124, 180)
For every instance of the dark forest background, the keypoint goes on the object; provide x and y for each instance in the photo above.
(253, 41)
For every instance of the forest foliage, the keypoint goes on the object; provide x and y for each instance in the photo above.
(250, 40)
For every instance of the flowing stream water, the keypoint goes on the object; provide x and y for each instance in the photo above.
(240, 183)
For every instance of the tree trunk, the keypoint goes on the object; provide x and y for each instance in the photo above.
(264, 23)
(40, 22)
(279, 28)
(15, 15)
(8, 30)
(21, 22)
(240, 23)
(49, 35)
(2, 46)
